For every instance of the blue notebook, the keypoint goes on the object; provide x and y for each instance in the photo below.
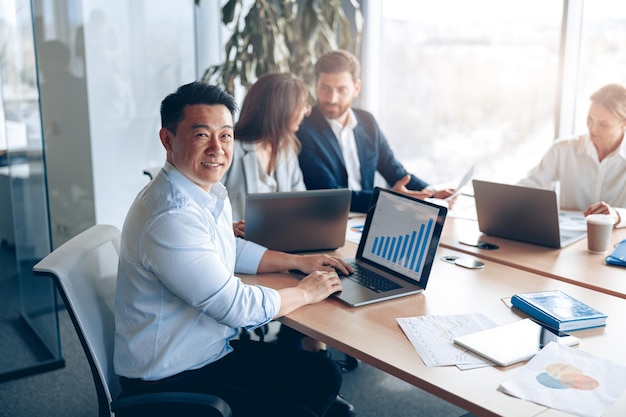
(618, 256)
(558, 310)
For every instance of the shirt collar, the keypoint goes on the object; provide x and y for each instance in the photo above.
(212, 201)
(622, 149)
(338, 127)
(248, 146)
(590, 149)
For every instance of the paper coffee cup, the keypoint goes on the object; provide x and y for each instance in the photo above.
(599, 228)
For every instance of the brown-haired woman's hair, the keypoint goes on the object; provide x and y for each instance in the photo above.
(268, 110)
(613, 97)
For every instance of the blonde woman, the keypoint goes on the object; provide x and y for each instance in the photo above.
(591, 168)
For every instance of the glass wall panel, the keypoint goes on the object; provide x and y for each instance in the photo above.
(469, 82)
(65, 115)
(137, 52)
(98, 69)
(105, 67)
(30, 339)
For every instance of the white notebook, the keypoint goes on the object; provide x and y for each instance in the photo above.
(513, 342)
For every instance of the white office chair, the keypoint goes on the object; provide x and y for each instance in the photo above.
(151, 172)
(84, 270)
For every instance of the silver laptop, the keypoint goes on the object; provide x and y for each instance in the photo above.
(521, 213)
(298, 221)
(396, 251)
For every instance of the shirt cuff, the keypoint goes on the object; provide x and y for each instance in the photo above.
(271, 306)
(622, 217)
(249, 256)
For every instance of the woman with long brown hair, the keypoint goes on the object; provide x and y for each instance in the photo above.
(265, 157)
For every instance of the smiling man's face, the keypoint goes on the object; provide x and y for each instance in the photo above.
(202, 147)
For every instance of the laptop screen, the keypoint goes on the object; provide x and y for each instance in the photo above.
(525, 214)
(298, 221)
(401, 235)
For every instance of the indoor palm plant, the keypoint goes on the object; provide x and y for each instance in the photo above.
(283, 36)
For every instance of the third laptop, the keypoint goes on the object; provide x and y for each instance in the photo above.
(396, 251)
(525, 214)
(298, 221)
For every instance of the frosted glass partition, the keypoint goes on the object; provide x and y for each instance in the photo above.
(138, 52)
(106, 65)
(98, 69)
(30, 341)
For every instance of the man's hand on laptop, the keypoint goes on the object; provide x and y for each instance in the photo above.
(239, 228)
(322, 262)
(318, 285)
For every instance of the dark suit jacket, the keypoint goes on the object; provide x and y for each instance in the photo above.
(323, 165)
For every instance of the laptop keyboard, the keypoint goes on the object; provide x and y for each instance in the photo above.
(372, 280)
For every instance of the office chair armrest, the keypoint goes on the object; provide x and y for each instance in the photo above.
(171, 403)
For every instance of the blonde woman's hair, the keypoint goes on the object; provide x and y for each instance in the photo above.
(613, 97)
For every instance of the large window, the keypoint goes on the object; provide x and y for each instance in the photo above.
(602, 52)
(456, 82)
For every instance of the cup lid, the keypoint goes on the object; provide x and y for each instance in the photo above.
(600, 219)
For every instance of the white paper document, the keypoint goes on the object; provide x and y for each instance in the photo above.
(466, 178)
(569, 380)
(354, 229)
(464, 208)
(433, 338)
(572, 220)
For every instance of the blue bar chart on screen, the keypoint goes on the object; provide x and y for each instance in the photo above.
(407, 250)
(400, 234)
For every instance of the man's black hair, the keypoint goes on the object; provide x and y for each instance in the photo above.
(197, 92)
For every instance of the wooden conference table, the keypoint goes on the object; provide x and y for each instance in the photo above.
(371, 333)
(572, 264)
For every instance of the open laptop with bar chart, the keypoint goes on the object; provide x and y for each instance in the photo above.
(397, 249)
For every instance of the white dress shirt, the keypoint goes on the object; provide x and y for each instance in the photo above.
(177, 301)
(582, 179)
(347, 143)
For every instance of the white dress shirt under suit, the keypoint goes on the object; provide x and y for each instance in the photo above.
(246, 176)
(178, 302)
(583, 179)
(347, 143)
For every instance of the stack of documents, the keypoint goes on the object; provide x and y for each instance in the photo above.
(433, 338)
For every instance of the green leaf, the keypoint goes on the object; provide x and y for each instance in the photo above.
(283, 35)
(228, 11)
